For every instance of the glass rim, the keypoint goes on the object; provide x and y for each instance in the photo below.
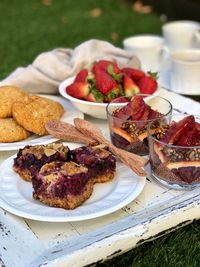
(171, 145)
(139, 121)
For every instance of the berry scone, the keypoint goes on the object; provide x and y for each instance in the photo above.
(99, 161)
(30, 159)
(62, 184)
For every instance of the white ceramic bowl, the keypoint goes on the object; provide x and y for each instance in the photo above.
(96, 110)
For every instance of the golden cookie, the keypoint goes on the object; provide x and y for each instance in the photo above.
(9, 95)
(10, 131)
(34, 111)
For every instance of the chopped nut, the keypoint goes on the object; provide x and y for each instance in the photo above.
(49, 152)
(57, 145)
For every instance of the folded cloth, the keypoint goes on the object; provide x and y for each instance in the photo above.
(50, 68)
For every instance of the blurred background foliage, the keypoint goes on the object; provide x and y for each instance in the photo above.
(30, 27)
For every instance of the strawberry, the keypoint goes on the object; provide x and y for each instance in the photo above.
(114, 93)
(130, 87)
(78, 90)
(123, 113)
(153, 114)
(189, 138)
(148, 84)
(138, 107)
(81, 76)
(104, 82)
(134, 74)
(95, 96)
(178, 129)
(121, 99)
(91, 98)
(103, 66)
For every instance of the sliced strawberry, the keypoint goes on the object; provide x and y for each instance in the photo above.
(134, 74)
(103, 66)
(148, 84)
(78, 90)
(145, 115)
(138, 107)
(197, 126)
(121, 99)
(95, 96)
(81, 76)
(177, 129)
(130, 87)
(153, 114)
(104, 82)
(124, 113)
(189, 138)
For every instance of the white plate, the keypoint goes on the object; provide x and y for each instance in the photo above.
(16, 196)
(70, 113)
(96, 110)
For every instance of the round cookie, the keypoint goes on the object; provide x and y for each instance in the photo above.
(10, 131)
(33, 112)
(8, 95)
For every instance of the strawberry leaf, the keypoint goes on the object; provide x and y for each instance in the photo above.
(153, 75)
(116, 77)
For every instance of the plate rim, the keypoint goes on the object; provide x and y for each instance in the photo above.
(46, 218)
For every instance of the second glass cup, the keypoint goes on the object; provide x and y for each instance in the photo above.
(175, 158)
(128, 120)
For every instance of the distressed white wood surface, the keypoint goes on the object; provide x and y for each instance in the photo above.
(156, 210)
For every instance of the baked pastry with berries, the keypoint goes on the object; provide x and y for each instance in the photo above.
(30, 159)
(100, 162)
(62, 184)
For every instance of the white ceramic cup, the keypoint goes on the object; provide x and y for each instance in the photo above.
(185, 72)
(148, 48)
(181, 34)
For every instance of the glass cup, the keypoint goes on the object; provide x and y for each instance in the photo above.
(131, 135)
(175, 161)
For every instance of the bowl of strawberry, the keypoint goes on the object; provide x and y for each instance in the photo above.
(91, 90)
(128, 120)
(175, 156)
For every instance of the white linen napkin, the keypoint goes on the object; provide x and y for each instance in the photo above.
(50, 68)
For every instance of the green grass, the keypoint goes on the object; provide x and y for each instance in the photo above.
(28, 28)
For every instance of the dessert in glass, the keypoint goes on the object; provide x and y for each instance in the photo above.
(128, 120)
(175, 155)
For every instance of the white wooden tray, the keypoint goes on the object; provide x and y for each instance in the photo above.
(157, 210)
